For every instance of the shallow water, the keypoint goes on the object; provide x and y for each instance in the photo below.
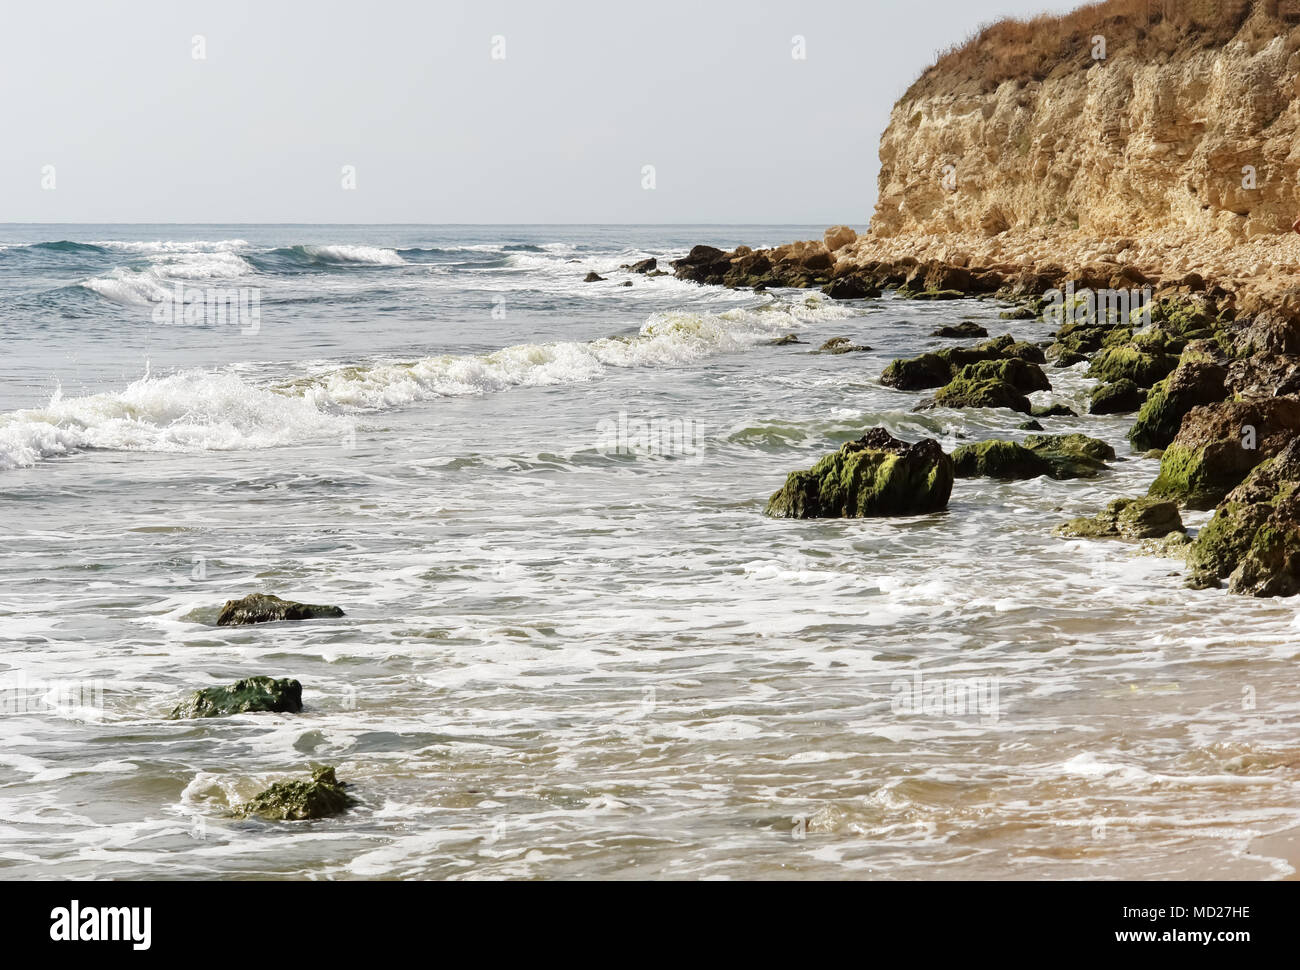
(557, 661)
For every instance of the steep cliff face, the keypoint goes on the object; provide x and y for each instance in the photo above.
(1157, 135)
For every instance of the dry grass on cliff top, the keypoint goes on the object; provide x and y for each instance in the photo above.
(1030, 50)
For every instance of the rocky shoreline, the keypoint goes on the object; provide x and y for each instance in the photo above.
(1209, 369)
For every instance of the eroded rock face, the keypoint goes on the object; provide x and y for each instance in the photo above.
(837, 237)
(294, 801)
(1159, 147)
(1253, 539)
(261, 608)
(243, 697)
(1218, 444)
(877, 475)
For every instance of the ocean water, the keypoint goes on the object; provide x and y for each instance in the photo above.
(573, 645)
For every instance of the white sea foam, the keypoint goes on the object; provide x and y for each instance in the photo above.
(143, 286)
(173, 246)
(366, 255)
(199, 410)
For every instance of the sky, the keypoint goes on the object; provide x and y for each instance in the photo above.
(109, 115)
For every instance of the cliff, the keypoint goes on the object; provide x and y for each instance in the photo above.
(1120, 119)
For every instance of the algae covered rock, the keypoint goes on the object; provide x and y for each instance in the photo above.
(1057, 456)
(964, 329)
(294, 801)
(1130, 362)
(877, 475)
(963, 392)
(917, 373)
(260, 608)
(1024, 376)
(1254, 537)
(1194, 383)
(1127, 518)
(1119, 397)
(841, 345)
(243, 697)
(1218, 444)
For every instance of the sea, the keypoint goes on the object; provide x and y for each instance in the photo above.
(573, 646)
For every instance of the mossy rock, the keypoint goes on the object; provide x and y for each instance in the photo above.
(1005, 460)
(1024, 350)
(1224, 541)
(253, 694)
(1129, 362)
(1057, 456)
(260, 608)
(1053, 411)
(1024, 376)
(877, 475)
(1072, 444)
(1126, 518)
(294, 801)
(991, 393)
(964, 329)
(917, 373)
(1118, 397)
(1194, 383)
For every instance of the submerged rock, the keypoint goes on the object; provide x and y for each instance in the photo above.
(243, 697)
(261, 608)
(593, 277)
(1053, 411)
(841, 345)
(1218, 444)
(789, 338)
(293, 801)
(1127, 518)
(643, 266)
(877, 475)
(964, 329)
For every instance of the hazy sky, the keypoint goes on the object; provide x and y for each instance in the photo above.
(588, 93)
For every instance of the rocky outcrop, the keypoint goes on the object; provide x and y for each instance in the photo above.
(1194, 383)
(295, 801)
(243, 697)
(1217, 446)
(877, 475)
(260, 608)
(1253, 539)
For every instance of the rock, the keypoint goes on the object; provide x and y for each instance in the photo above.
(647, 265)
(1127, 518)
(850, 288)
(964, 329)
(877, 475)
(1194, 383)
(840, 345)
(1254, 536)
(703, 264)
(593, 277)
(917, 373)
(260, 608)
(963, 392)
(1029, 426)
(1053, 411)
(1068, 358)
(1119, 397)
(1026, 351)
(784, 341)
(1072, 444)
(1057, 456)
(1131, 362)
(1212, 453)
(837, 237)
(627, 283)
(1020, 374)
(243, 697)
(293, 801)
